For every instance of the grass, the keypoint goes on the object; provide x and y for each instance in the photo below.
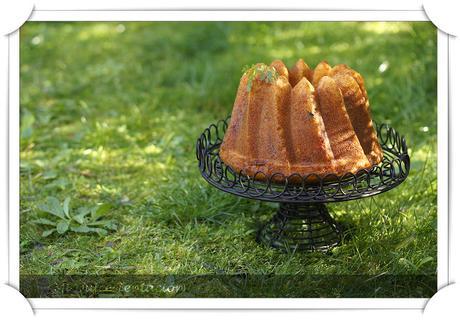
(110, 113)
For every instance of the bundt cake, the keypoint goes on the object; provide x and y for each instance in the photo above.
(300, 121)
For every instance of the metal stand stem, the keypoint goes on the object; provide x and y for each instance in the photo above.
(301, 227)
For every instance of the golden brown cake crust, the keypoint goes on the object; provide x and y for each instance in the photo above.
(290, 126)
(298, 71)
(321, 70)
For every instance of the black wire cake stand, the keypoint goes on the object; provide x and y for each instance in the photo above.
(302, 222)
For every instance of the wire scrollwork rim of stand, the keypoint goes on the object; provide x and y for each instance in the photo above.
(388, 174)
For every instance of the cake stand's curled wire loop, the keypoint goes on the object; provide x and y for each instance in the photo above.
(303, 192)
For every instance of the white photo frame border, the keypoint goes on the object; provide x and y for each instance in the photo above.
(443, 255)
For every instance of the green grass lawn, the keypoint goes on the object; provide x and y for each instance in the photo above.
(110, 113)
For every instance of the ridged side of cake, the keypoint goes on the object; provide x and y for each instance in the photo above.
(290, 125)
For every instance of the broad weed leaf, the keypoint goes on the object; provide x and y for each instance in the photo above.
(59, 183)
(108, 224)
(82, 212)
(44, 221)
(100, 210)
(47, 232)
(62, 227)
(83, 229)
(93, 213)
(49, 175)
(80, 218)
(65, 207)
(111, 225)
(99, 231)
(52, 206)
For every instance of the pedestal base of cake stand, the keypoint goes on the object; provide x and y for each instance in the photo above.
(301, 227)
